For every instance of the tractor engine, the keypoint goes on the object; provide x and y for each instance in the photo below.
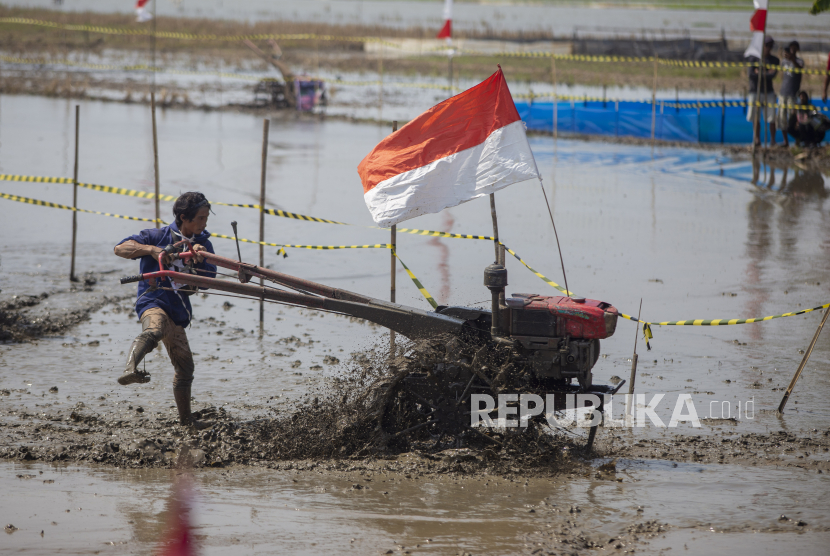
(558, 337)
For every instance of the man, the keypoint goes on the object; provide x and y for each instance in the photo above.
(767, 96)
(166, 311)
(790, 85)
(807, 126)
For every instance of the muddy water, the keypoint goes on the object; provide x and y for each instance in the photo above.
(303, 512)
(696, 235)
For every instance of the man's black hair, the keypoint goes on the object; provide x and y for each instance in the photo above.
(794, 44)
(187, 206)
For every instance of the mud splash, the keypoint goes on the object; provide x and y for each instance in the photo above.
(339, 420)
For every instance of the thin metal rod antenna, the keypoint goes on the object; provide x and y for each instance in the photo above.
(236, 237)
(556, 235)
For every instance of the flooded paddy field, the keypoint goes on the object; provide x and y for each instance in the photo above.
(694, 233)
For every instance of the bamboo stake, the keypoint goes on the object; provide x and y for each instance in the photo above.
(803, 362)
(72, 277)
(265, 125)
(155, 156)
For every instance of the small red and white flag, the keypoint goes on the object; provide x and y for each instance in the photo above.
(757, 24)
(446, 30)
(141, 12)
(470, 145)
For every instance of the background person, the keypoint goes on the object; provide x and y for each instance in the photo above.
(164, 313)
(807, 126)
(767, 96)
(790, 85)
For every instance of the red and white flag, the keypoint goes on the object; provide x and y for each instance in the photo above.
(757, 24)
(470, 145)
(446, 30)
(141, 12)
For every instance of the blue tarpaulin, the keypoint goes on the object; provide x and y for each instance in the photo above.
(633, 119)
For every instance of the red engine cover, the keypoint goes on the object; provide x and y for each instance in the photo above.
(575, 317)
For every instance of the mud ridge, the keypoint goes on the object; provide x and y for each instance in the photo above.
(25, 317)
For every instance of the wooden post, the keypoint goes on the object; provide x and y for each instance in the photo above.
(555, 97)
(803, 363)
(72, 277)
(393, 240)
(265, 125)
(155, 156)
(654, 100)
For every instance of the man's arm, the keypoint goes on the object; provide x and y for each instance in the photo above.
(131, 249)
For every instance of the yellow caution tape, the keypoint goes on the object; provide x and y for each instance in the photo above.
(531, 95)
(424, 292)
(36, 179)
(40, 203)
(537, 273)
(697, 64)
(333, 247)
(272, 212)
(417, 282)
(340, 38)
(647, 335)
(281, 251)
(669, 104)
(726, 322)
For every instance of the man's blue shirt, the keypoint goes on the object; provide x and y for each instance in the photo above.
(176, 305)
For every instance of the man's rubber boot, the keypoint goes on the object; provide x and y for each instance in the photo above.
(142, 345)
(186, 419)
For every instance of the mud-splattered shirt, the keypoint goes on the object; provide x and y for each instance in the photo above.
(175, 304)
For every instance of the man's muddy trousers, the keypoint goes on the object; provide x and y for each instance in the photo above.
(157, 327)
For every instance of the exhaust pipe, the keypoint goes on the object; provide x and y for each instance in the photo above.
(495, 279)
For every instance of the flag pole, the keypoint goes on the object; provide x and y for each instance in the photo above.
(755, 123)
(495, 224)
(394, 242)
